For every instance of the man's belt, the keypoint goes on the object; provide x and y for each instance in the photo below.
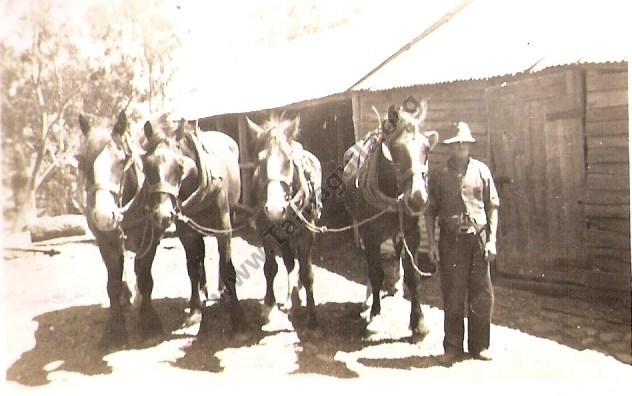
(456, 224)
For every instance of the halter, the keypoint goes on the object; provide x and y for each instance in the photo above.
(162, 187)
(131, 162)
(403, 176)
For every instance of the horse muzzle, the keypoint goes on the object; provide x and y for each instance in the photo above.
(417, 198)
(275, 213)
(162, 217)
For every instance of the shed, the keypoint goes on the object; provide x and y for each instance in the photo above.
(547, 98)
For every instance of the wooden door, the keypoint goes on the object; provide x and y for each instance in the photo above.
(537, 146)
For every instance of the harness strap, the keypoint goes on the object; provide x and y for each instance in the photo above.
(164, 187)
(109, 187)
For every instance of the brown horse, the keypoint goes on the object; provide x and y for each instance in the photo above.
(112, 167)
(195, 176)
(287, 181)
(387, 192)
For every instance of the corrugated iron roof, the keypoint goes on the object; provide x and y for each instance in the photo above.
(490, 38)
(308, 68)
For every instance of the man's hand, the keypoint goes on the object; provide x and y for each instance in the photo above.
(433, 252)
(490, 251)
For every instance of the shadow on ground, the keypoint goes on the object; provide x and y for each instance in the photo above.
(341, 329)
(588, 323)
(71, 336)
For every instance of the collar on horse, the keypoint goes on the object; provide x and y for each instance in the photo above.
(368, 176)
(195, 201)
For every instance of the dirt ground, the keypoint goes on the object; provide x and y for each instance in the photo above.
(56, 306)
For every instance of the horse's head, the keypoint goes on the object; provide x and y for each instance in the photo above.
(409, 148)
(163, 164)
(105, 157)
(274, 172)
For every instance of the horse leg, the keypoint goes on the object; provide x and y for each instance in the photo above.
(149, 322)
(230, 281)
(292, 277)
(376, 273)
(193, 244)
(270, 269)
(307, 275)
(417, 322)
(115, 332)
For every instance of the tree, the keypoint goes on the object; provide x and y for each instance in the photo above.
(66, 67)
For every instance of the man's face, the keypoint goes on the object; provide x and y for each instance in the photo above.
(461, 150)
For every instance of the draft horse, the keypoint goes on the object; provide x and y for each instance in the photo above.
(287, 183)
(386, 192)
(193, 179)
(111, 164)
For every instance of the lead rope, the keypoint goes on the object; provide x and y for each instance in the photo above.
(324, 229)
(208, 231)
(149, 245)
(405, 247)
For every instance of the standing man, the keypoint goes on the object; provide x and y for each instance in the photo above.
(464, 198)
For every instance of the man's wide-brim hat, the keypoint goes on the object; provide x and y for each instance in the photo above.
(463, 135)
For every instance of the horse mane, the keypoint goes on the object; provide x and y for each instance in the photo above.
(275, 127)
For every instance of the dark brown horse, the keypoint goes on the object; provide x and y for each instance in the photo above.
(287, 181)
(195, 176)
(115, 210)
(387, 192)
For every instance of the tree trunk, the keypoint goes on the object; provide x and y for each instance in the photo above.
(26, 208)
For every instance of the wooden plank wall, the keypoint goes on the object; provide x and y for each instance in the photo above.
(447, 103)
(607, 194)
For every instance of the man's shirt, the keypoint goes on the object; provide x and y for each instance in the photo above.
(461, 200)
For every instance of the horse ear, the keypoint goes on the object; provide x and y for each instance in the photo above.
(422, 111)
(255, 129)
(393, 115)
(148, 129)
(433, 138)
(180, 129)
(84, 124)
(295, 127)
(121, 124)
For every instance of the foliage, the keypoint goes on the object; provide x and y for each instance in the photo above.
(96, 60)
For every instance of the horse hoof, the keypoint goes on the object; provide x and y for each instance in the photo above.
(286, 307)
(194, 318)
(376, 325)
(420, 332)
(365, 313)
(266, 310)
(276, 321)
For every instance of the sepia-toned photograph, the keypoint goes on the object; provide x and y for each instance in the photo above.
(315, 196)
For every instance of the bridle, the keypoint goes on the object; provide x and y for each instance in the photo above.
(131, 162)
(407, 174)
(163, 187)
(293, 200)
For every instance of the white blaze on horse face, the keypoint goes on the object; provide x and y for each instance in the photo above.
(278, 169)
(417, 150)
(108, 171)
(276, 204)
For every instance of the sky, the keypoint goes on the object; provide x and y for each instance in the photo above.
(247, 48)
